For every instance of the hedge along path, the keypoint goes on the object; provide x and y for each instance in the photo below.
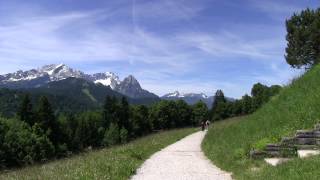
(183, 160)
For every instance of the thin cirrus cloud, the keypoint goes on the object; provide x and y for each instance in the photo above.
(158, 41)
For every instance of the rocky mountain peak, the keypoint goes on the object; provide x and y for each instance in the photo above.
(108, 79)
(56, 72)
(131, 80)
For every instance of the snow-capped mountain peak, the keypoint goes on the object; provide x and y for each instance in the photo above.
(108, 79)
(174, 94)
(56, 72)
(60, 71)
(177, 94)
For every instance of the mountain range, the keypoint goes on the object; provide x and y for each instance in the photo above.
(192, 98)
(86, 91)
(36, 78)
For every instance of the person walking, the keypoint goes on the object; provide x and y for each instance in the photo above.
(203, 125)
(207, 124)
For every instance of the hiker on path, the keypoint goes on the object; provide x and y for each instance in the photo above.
(207, 124)
(203, 125)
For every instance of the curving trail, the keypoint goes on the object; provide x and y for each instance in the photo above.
(182, 160)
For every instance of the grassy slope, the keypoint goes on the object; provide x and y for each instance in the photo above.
(296, 107)
(112, 163)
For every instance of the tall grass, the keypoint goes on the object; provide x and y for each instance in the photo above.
(297, 107)
(116, 163)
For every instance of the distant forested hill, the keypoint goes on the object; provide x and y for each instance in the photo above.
(69, 95)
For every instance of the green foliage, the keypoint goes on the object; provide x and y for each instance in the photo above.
(184, 112)
(162, 115)
(246, 104)
(123, 135)
(22, 145)
(124, 115)
(25, 112)
(261, 94)
(116, 163)
(297, 106)
(112, 135)
(200, 113)
(262, 143)
(303, 37)
(71, 95)
(219, 98)
(49, 135)
(141, 123)
(239, 153)
(43, 149)
(44, 114)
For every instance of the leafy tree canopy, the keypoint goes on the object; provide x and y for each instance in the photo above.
(303, 39)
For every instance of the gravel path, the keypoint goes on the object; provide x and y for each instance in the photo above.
(182, 160)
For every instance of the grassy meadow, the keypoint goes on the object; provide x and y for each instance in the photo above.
(297, 106)
(115, 163)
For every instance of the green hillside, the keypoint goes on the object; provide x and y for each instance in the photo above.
(72, 95)
(297, 107)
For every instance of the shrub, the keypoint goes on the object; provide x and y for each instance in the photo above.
(123, 135)
(112, 135)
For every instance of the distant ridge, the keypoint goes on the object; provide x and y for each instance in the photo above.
(192, 98)
(39, 77)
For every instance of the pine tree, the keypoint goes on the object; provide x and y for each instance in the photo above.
(47, 121)
(107, 111)
(219, 106)
(303, 37)
(218, 98)
(124, 115)
(45, 115)
(25, 112)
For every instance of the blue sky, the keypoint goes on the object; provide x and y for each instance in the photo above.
(185, 45)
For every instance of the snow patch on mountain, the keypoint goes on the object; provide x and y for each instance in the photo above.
(56, 72)
(107, 79)
(177, 94)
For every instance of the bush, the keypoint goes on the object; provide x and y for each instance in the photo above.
(23, 145)
(262, 143)
(123, 135)
(112, 135)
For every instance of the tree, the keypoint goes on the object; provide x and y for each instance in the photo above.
(303, 37)
(184, 113)
(43, 148)
(237, 108)
(123, 135)
(124, 115)
(219, 106)
(112, 135)
(274, 90)
(47, 121)
(140, 120)
(45, 116)
(200, 113)
(25, 112)
(246, 104)
(164, 115)
(21, 144)
(260, 95)
(107, 110)
(219, 98)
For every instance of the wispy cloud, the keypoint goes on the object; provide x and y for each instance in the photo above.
(172, 42)
(228, 44)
